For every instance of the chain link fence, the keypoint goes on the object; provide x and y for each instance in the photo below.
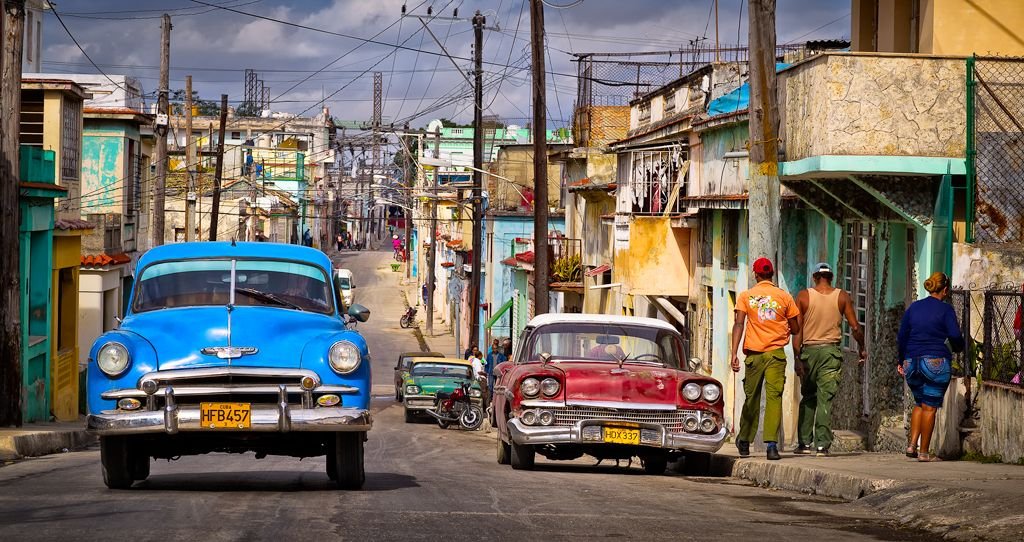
(607, 82)
(995, 148)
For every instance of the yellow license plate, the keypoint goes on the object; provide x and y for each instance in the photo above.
(618, 435)
(225, 415)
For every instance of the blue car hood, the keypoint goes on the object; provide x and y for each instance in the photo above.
(178, 335)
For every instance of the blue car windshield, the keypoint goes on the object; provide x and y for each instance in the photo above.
(191, 283)
(440, 369)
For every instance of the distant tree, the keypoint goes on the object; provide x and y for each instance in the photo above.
(248, 110)
(448, 123)
(204, 108)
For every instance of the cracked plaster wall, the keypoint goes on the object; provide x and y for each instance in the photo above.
(873, 105)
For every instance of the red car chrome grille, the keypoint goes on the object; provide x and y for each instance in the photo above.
(672, 420)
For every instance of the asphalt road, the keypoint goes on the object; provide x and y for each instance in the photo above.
(423, 483)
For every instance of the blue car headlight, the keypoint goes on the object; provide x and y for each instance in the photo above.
(344, 357)
(113, 359)
(475, 393)
(412, 389)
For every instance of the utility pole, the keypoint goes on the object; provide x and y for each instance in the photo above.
(432, 251)
(764, 127)
(716, 30)
(378, 112)
(12, 25)
(219, 171)
(190, 163)
(410, 184)
(478, 164)
(160, 193)
(540, 162)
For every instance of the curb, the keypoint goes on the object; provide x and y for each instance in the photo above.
(31, 444)
(800, 478)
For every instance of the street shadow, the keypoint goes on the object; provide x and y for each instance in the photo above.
(60, 512)
(603, 468)
(268, 481)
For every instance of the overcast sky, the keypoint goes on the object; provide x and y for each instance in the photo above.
(215, 46)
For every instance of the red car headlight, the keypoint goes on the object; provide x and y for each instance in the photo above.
(711, 392)
(692, 391)
(550, 387)
(530, 387)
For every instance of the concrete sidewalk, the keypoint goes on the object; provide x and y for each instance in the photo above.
(442, 340)
(959, 500)
(37, 439)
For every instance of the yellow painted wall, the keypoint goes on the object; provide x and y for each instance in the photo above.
(944, 27)
(52, 125)
(657, 261)
(963, 27)
(67, 250)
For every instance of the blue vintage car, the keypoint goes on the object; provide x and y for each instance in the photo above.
(231, 347)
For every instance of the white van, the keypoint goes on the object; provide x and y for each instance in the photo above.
(343, 281)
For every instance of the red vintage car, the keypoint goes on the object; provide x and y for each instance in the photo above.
(612, 387)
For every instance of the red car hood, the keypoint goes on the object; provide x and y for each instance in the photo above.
(605, 381)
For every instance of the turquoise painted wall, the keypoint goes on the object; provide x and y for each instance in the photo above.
(504, 230)
(103, 158)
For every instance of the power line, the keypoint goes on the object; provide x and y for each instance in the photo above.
(89, 58)
(92, 15)
(830, 23)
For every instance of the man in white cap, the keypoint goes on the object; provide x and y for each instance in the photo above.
(819, 357)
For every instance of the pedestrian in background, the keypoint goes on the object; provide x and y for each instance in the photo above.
(765, 318)
(925, 360)
(495, 356)
(340, 239)
(819, 359)
(476, 360)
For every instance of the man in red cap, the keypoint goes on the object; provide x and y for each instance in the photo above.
(769, 315)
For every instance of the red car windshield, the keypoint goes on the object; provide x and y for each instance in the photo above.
(616, 343)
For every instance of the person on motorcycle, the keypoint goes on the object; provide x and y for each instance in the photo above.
(396, 244)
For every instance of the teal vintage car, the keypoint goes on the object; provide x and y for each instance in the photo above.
(428, 375)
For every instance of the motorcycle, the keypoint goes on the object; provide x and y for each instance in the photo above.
(409, 318)
(457, 407)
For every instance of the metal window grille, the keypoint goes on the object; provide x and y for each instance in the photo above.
(71, 140)
(657, 182)
(858, 245)
(1002, 352)
(963, 364)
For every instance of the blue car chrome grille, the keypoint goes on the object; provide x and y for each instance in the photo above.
(671, 420)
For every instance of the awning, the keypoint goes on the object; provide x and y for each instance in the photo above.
(501, 310)
(598, 270)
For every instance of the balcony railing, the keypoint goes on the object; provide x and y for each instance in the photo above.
(566, 267)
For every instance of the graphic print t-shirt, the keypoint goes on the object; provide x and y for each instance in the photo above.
(768, 310)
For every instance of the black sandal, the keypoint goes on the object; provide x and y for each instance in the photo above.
(912, 452)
